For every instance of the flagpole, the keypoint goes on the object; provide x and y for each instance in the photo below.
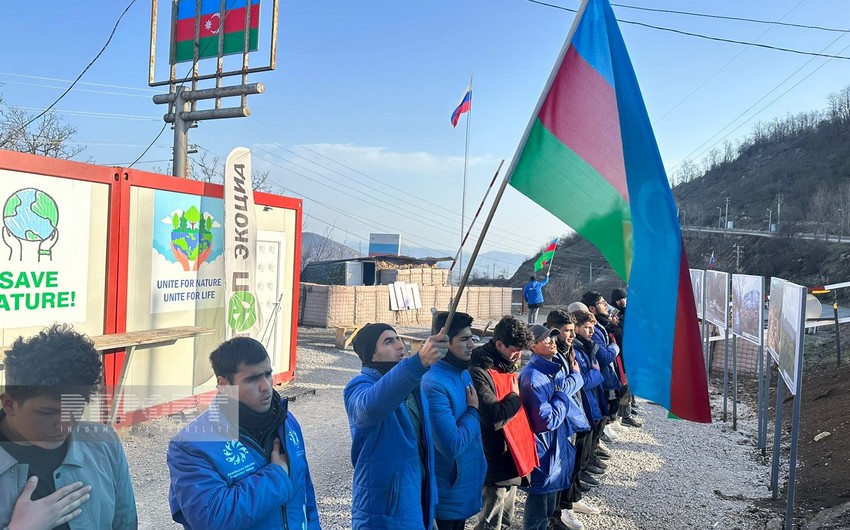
(546, 88)
(484, 229)
(475, 218)
(465, 168)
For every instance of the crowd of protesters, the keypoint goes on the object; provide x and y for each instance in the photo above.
(453, 431)
(446, 434)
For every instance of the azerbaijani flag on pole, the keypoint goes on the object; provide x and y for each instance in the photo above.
(546, 257)
(464, 105)
(213, 23)
(589, 157)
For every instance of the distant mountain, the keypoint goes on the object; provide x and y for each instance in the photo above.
(316, 247)
(505, 263)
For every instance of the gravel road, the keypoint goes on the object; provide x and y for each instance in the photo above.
(669, 475)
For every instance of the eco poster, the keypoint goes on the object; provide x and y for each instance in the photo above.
(187, 265)
(44, 255)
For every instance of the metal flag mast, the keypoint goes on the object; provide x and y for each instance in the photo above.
(465, 169)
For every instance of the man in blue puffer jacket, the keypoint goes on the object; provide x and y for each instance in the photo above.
(460, 463)
(242, 464)
(391, 444)
(545, 391)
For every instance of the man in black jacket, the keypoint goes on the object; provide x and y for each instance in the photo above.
(493, 369)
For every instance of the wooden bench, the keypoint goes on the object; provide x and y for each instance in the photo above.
(342, 341)
(131, 341)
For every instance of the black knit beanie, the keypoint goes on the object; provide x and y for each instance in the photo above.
(367, 340)
(617, 295)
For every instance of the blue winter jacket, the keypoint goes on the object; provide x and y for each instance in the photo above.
(220, 478)
(592, 397)
(606, 355)
(460, 462)
(545, 392)
(388, 470)
(533, 291)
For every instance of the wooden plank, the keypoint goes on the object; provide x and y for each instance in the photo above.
(148, 337)
(342, 341)
(152, 337)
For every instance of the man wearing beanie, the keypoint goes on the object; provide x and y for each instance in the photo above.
(460, 464)
(392, 450)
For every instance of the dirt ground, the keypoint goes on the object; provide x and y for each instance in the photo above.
(823, 473)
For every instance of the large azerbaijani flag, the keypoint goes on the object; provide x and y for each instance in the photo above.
(589, 157)
(231, 25)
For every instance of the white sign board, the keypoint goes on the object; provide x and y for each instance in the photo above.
(697, 281)
(748, 307)
(717, 298)
(44, 251)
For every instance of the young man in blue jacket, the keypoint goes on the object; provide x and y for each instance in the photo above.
(56, 471)
(453, 404)
(392, 448)
(532, 296)
(546, 394)
(242, 465)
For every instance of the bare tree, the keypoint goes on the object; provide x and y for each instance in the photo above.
(45, 136)
(210, 168)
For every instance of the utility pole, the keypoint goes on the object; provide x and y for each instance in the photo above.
(727, 212)
(591, 272)
(778, 209)
(719, 217)
(769, 219)
(738, 251)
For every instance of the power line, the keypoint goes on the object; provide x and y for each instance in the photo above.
(702, 36)
(65, 93)
(712, 76)
(756, 103)
(740, 19)
(149, 145)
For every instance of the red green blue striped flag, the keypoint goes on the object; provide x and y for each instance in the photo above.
(589, 157)
(546, 256)
(231, 26)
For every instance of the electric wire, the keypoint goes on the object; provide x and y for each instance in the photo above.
(23, 127)
(703, 36)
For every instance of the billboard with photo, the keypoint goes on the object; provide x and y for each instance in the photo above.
(785, 327)
(717, 298)
(748, 307)
(697, 283)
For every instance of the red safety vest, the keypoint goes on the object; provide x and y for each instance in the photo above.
(517, 431)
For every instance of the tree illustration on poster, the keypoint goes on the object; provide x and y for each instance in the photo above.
(187, 268)
(43, 274)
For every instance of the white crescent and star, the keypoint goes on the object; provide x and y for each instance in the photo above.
(208, 25)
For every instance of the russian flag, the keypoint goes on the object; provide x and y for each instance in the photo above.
(465, 105)
(591, 142)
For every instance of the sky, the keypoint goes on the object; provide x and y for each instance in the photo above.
(355, 118)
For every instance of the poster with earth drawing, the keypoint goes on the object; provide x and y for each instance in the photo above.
(44, 249)
(187, 268)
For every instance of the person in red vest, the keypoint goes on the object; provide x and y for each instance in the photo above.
(509, 445)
